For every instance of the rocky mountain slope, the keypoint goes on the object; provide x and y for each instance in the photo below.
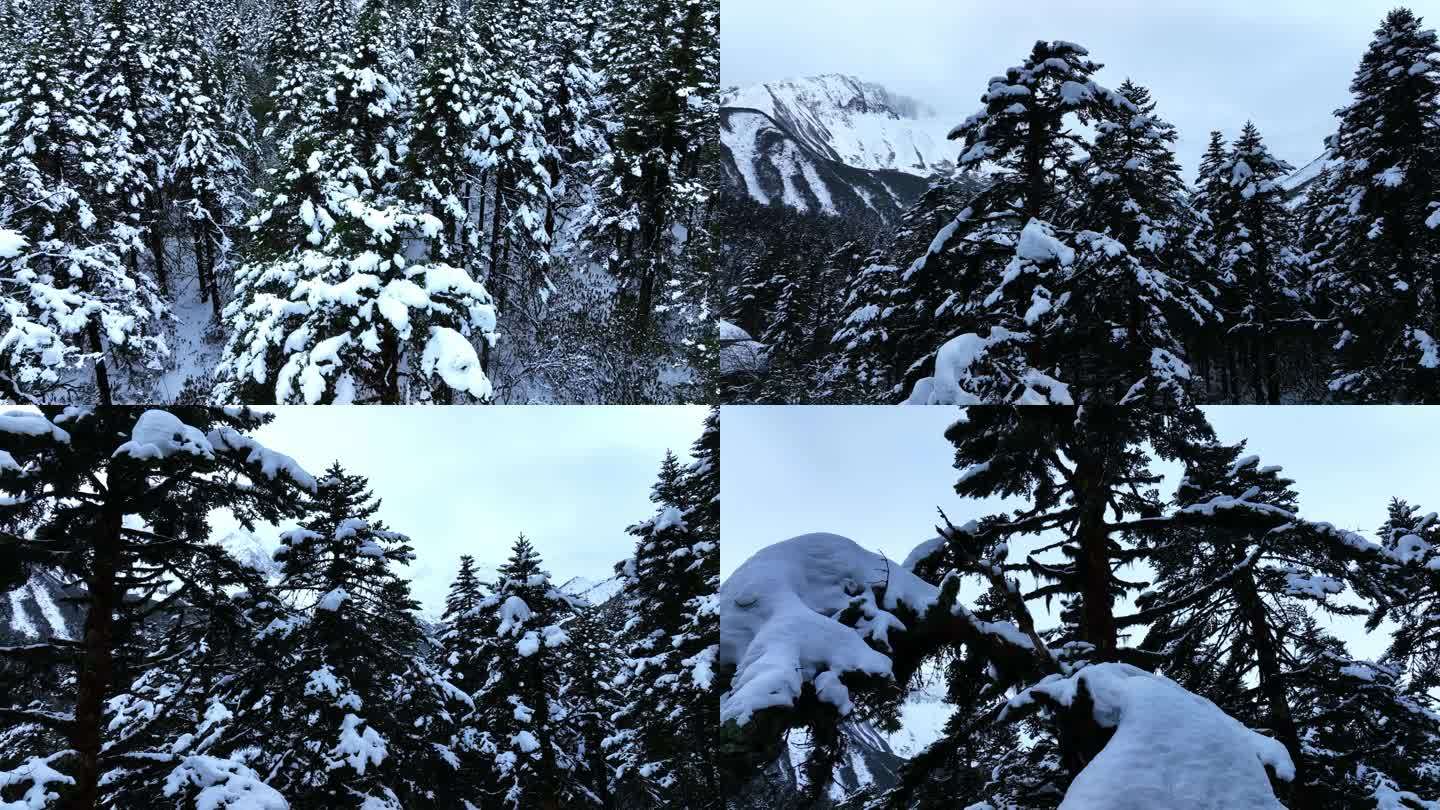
(761, 159)
(38, 611)
(853, 122)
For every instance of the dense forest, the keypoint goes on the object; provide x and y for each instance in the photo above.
(315, 201)
(187, 676)
(1075, 630)
(1073, 263)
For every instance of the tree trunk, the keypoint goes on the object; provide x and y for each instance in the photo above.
(157, 249)
(197, 240)
(209, 245)
(97, 665)
(1097, 612)
(102, 375)
(499, 283)
(1282, 723)
(390, 369)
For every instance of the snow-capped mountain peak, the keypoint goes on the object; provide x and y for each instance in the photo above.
(857, 123)
(596, 593)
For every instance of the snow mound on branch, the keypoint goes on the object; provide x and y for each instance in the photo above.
(449, 355)
(27, 423)
(1171, 748)
(224, 785)
(357, 747)
(158, 435)
(777, 624)
(12, 244)
(38, 773)
(161, 434)
(739, 352)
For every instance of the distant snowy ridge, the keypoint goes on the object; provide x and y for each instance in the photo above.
(853, 122)
(1298, 184)
(36, 611)
(596, 593)
(763, 160)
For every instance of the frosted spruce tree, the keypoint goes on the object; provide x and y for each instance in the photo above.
(348, 714)
(207, 172)
(663, 72)
(515, 727)
(1033, 702)
(1027, 290)
(1376, 221)
(665, 741)
(1234, 607)
(72, 302)
(592, 693)
(136, 550)
(513, 146)
(1257, 267)
(340, 300)
(448, 174)
(128, 109)
(882, 325)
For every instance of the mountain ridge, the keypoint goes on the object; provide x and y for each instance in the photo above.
(764, 161)
(860, 124)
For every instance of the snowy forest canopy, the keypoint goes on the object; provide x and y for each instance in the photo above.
(1110, 641)
(1066, 259)
(146, 665)
(313, 201)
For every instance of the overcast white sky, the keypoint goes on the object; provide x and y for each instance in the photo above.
(1287, 64)
(467, 480)
(877, 474)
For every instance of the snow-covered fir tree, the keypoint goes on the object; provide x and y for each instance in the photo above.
(592, 694)
(665, 70)
(1256, 266)
(1227, 635)
(1376, 221)
(352, 713)
(72, 303)
(516, 726)
(663, 748)
(341, 301)
(159, 161)
(179, 668)
(114, 502)
(1033, 286)
(1259, 284)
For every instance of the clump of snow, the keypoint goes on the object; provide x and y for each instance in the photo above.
(1429, 348)
(28, 423)
(11, 244)
(739, 352)
(525, 741)
(224, 785)
(40, 774)
(333, 600)
(1039, 245)
(528, 645)
(452, 357)
(671, 518)
(922, 552)
(1215, 762)
(513, 615)
(272, 464)
(161, 434)
(778, 625)
(358, 748)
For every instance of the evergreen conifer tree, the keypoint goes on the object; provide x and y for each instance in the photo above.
(518, 708)
(1377, 221)
(136, 547)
